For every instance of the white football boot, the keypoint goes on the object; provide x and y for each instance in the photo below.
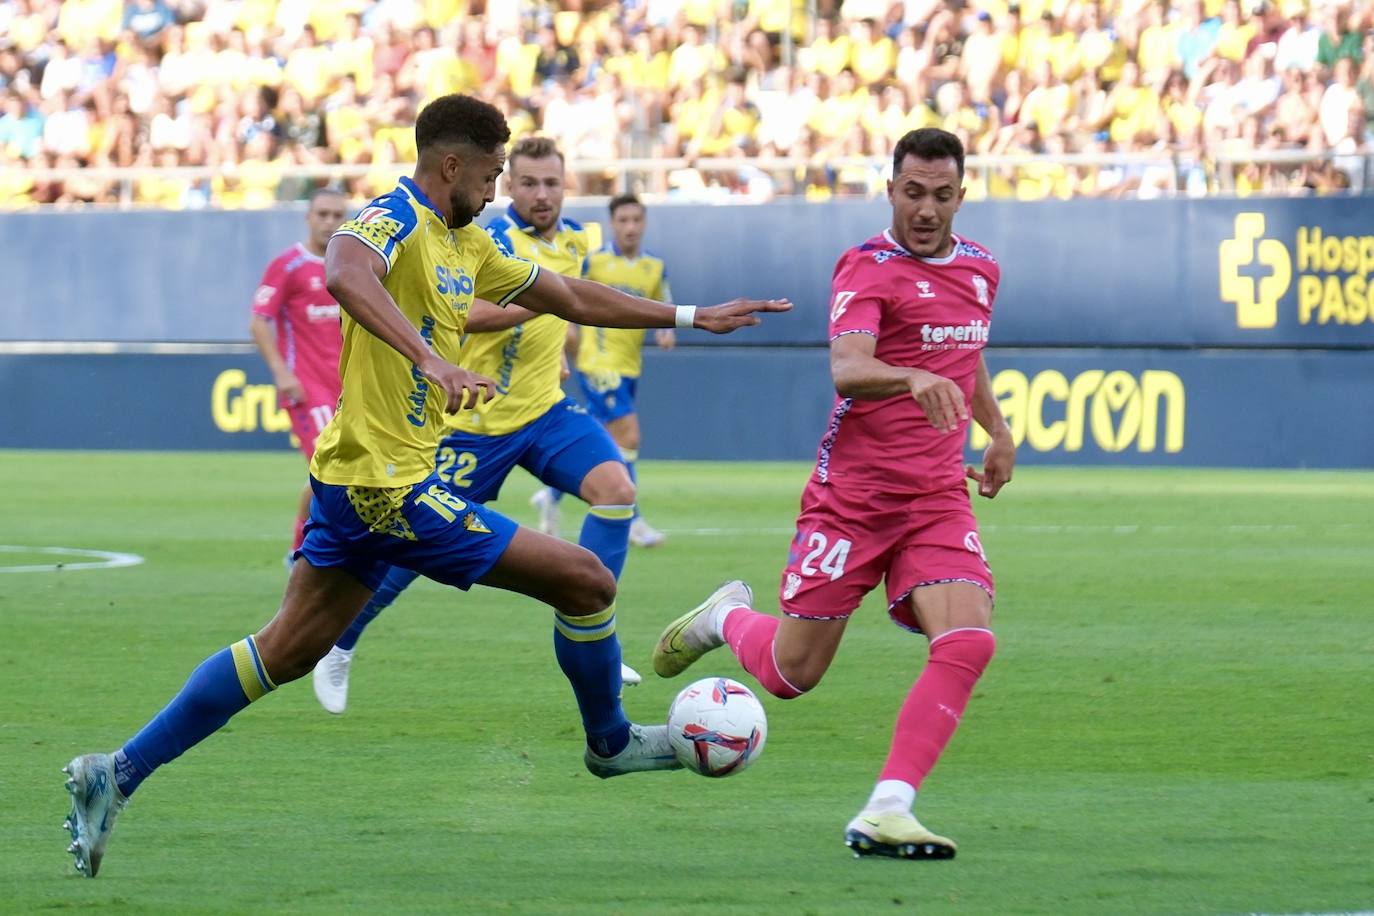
(331, 679)
(96, 802)
(549, 516)
(642, 534)
(897, 835)
(649, 749)
(699, 630)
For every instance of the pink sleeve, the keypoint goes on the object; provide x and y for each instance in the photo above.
(271, 292)
(855, 307)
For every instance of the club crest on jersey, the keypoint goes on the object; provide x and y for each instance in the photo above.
(789, 590)
(980, 287)
(923, 289)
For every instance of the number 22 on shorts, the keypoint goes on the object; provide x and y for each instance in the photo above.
(456, 467)
(831, 560)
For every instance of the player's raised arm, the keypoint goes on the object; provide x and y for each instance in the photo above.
(593, 304)
(1000, 455)
(859, 374)
(353, 275)
(485, 317)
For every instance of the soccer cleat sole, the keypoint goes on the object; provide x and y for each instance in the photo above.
(76, 850)
(864, 845)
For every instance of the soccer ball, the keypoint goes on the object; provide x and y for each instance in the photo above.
(717, 726)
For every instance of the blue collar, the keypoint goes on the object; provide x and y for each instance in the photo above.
(615, 249)
(419, 195)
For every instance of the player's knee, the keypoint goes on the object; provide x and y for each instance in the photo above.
(800, 679)
(619, 491)
(800, 671)
(591, 589)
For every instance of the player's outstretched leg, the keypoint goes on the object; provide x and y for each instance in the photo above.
(317, 606)
(330, 677)
(788, 655)
(699, 630)
(581, 592)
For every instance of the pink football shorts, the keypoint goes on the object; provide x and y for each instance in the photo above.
(308, 420)
(850, 540)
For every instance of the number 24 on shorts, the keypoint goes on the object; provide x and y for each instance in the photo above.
(831, 562)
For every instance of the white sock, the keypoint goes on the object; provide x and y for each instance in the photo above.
(891, 796)
(718, 615)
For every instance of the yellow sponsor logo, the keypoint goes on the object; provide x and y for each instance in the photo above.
(1335, 275)
(1257, 302)
(1050, 411)
(238, 407)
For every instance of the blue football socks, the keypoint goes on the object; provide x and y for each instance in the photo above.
(589, 654)
(225, 683)
(606, 533)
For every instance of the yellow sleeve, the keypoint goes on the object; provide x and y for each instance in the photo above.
(502, 277)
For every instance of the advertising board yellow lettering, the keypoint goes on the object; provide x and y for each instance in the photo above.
(1051, 412)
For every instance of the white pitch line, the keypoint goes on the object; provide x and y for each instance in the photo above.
(107, 559)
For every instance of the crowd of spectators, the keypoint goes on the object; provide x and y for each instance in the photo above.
(252, 87)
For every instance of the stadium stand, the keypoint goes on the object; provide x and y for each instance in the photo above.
(227, 103)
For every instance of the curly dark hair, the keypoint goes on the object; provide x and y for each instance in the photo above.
(458, 118)
(930, 144)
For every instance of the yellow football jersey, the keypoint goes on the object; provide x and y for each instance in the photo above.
(526, 360)
(387, 426)
(619, 350)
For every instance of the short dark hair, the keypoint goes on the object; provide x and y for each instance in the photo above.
(624, 200)
(458, 118)
(930, 144)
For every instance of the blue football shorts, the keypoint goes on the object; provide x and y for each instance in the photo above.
(559, 448)
(424, 527)
(609, 396)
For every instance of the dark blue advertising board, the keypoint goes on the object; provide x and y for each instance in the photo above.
(1083, 406)
(1281, 272)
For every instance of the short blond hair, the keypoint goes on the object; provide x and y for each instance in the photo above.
(535, 148)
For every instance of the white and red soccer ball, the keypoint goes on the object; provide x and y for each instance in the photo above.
(717, 726)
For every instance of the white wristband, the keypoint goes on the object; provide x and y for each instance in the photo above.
(685, 316)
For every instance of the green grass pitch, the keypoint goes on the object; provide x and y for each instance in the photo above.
(1180, 717)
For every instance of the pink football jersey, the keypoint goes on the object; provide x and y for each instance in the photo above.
(926, 313)
(292, 296)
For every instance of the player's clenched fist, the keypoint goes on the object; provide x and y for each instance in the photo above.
(940, 398)
(738, 313)
(464, 390)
